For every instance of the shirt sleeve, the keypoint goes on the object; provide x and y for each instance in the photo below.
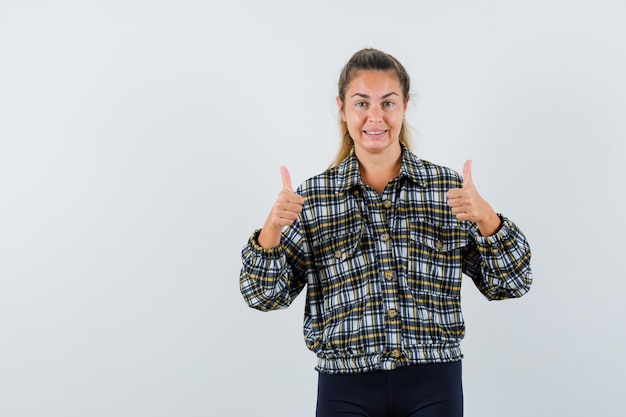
(499, 264)
(270, 279)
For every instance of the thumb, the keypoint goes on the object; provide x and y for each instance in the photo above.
(467, 173)
(284, 173)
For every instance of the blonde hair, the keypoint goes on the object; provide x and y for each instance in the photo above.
(369, 59)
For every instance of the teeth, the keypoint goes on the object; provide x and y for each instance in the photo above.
(375, 133)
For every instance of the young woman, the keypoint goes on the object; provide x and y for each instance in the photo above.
(380, 241)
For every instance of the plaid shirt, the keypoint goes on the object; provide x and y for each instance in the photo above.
(383, 272)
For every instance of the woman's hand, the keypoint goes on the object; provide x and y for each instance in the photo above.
(468, 205)
(284, 212)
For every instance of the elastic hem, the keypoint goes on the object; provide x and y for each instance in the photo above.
(417, 355)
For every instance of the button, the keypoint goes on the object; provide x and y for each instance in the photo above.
(338, 254)
(439, 245)
(385, 237)
(392, 313)
(389, 275)
(387, 203)
(396, 353)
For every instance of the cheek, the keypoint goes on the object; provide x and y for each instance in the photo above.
(395, 120)
(354, 121)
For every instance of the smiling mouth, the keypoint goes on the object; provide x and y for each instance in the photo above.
(375, 132)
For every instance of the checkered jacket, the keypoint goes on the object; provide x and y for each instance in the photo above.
(383, 272)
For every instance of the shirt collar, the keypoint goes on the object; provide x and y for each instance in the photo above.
(411, 168)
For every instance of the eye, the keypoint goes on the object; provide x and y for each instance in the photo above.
(360, 104)
(389, 104)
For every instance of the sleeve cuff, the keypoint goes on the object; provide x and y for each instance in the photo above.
(502, 235)
(271, 252)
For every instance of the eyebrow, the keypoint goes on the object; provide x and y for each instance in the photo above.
(366, 96)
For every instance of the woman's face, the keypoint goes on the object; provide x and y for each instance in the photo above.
(373, 109)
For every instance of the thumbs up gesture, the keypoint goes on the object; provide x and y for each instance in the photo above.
(468, 205)
(284, 212)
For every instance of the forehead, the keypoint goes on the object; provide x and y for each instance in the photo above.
(374, 82)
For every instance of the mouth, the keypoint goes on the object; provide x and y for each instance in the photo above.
(375, 134)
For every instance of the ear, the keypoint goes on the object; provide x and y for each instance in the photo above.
(341, 112)
(406, 102)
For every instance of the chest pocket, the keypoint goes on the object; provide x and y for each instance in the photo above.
(435, 258)
(342, 268)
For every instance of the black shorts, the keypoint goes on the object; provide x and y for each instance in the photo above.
(433, 390)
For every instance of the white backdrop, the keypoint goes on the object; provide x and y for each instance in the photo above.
(139, 147)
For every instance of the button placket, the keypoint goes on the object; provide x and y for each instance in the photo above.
(381, 221)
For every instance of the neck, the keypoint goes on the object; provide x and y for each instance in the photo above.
(378, 169)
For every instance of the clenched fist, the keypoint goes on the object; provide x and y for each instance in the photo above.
(468, 205)
(284, 212)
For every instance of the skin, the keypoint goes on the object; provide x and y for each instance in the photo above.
(467, 204)
(374, 109)
(284, 212)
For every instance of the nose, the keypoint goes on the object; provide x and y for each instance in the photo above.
(375, 114)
